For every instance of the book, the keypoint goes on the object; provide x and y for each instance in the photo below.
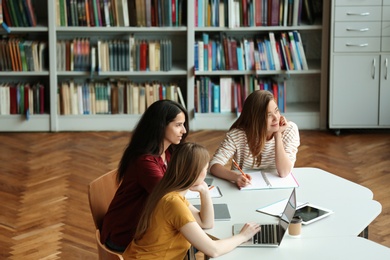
(269, 179)
(226, 97)
(276, 208)
(274, 51)
(302, 55)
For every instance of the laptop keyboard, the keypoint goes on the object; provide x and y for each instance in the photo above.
(267, 235)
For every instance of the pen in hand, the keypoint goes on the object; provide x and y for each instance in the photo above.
(246, 176)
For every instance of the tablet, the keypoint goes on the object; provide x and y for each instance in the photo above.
(221, 211)
(311, 213)
(209, 181)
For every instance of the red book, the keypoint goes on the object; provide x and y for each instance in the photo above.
(273, 14)
(244, 12)
(275, 91)
(91, 13)
(226, 52)
(174, 7)
(31, 13)
(143, 55)
(258, 12)
(233, 55)
(153, 13)
(13, 100)
(7, 17)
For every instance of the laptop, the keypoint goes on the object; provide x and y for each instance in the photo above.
(271, 235)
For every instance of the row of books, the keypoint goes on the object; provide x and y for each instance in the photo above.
(114, 55)
(120, 12)
(227, 95)
(113, 96)
(238, 13)
(73, 55)
(17, 13)
(282, 52)
(22, 98)
(17, 54)
(134, 55)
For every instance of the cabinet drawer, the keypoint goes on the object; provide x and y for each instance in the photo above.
(370, 44)
(386, 43)
(386, 13)
(386, 2)
(358, 2)
(358, 13)
(360, 29)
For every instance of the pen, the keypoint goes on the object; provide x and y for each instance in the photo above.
(211, 187)
(242, 172)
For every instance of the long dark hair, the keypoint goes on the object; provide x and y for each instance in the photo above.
(148, 135)
(187, 162)
(253, 121)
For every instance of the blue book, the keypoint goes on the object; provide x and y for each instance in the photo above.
(205, 37)
(282, 96)
(216, 99)
(214, 53)
(269, 55)
(240, 64)
(196, 54)
(200, 13)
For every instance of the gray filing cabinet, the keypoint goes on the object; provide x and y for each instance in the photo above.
(359, 92)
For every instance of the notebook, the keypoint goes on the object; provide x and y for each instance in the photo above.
(271, 235)
(269, 179)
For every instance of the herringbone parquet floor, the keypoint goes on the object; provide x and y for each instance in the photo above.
(44, 212)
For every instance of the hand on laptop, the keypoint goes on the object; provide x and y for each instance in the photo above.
(249, 230)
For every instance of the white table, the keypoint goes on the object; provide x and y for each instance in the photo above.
(353, 206)
(325, 248)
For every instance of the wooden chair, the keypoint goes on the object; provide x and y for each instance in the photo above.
(105, 253)
(100, 193)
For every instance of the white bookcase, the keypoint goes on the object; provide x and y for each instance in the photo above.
(306, 92)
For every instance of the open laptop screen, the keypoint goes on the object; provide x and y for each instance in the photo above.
(288, 213)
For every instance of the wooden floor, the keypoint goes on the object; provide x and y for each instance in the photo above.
(44, 212)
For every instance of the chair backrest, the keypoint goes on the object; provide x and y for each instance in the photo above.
(100, 194)
(103, 252)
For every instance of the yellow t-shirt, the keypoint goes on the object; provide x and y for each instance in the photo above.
(163, 239)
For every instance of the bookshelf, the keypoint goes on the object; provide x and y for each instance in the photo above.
(306, 92)
(24, 33)
(306, 89)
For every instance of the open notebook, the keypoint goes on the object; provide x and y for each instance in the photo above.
(269, 179)
(215, 192)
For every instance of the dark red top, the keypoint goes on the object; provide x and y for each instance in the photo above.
(121, 219)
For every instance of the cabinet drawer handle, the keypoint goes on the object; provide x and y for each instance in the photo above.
(358, 14)
(386, 69)
(356, 45)
(373, 69)
(358, 30)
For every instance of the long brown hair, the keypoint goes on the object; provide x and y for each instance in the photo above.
(253, 121)
(184, 168)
